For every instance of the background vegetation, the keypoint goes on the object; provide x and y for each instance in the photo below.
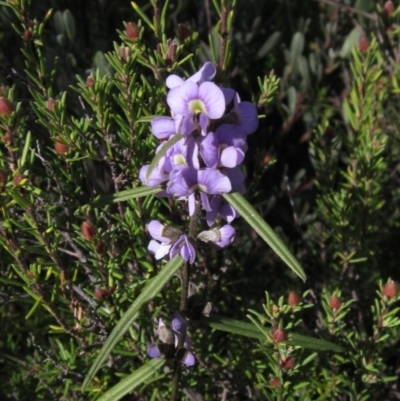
(79, 82)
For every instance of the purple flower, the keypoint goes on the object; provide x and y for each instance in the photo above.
(206, 73)
(220, 237)
(157, 176)
(220, 208)
(246, 114)
(170, 341)
(190, 98)
(163, 239)
(185, 248)
(163, 127)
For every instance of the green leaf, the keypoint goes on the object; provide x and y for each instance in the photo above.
(313, 343)
(69, 24)
(152, 288)
(250, 330)
(25, 151)
(248, 212)
(171, 142)
(271, 42)
(128, 194)
(133, 380)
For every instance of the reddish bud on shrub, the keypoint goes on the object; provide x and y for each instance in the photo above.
(100, 247)
(7, 138)
(275, 381)
(279, 336)
(266, 159)
(335, 302)
(293, 298)
(6, 107)
(100, 293)
(89, 82)
(388, 7)
(50, 104)
(288, 364)
(60, 147)
(17, 179)
(390, 289)
(183, 32)
(88, 230)
(3, 179)
(363, 43)
(132, 31)
(27, 35)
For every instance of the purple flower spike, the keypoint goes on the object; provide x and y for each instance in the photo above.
(153, 351)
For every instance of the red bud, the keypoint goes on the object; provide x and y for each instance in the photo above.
(293, 298)
(3, 179)
(50, 104)
(100, 293)
(27, 34)
(60, 147)
(335, 302)
(279, 336)
(388, 7)
(132, 31)
(390, 289)
(100, 247)
(89, 82)
(6, 107)
(275, 381)
(363, 43)
(288, 364)
(88, 230)
(183, 32)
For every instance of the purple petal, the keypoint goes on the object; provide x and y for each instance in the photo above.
(228, 94)
(182, 182)
(205, 202)
(231, 157)
(189, 359)
(192, 204)
(163, 127)
(213, 182)
(156, 230)
(188, 126)
(188, 252)
(179, 324)
(232, 135)
(158, 250)
(228, 212)
(214, 206)
(173, 81)
(227, 233)
(213, 99)
(248, 117)
(153, 351)
(236, 178)
(209, 150)
(176, 247)
(206, 73)
(178, 99)
(157, 176)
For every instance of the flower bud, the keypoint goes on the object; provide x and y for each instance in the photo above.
(6, 107)
(132, 31)
(100, 247)
(100, 293)
(3, 179)
(88, 230)
(293, 298)
(335, 302)
(183, 32)
(275, 381)
(89, 82)
(7, 138)
(50, 104)
(279, 336)
(60, 147)
(388, 7)
(27, 35)
(363, 43)
(288, 363)
(390, 289)
(266, 159)
(17, 179)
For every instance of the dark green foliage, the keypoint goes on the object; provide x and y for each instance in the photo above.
(80, 82)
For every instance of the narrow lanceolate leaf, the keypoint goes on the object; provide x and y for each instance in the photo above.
(250, 330)
(128, 194)
(135, 379)
(171, 142)
(152, 288)
(248, 212)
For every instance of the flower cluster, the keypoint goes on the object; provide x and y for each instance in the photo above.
(169, 341)
(203, 164)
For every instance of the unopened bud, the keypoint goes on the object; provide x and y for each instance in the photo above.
(27, 35)
(3, 179)
(288, 364)
(388, 7)
(6, 107)
(266, 159)
(50, 104)
(279, 336)
(363, 43)
(293, 298)
(89, 82)
(18, 179)
(390, 289)
(100, 247)
(183, 32)
(88, 230)
(275, 381)
(132, 31)
(60, 147)
(335, 302)
(100, 293)
(7, 138)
